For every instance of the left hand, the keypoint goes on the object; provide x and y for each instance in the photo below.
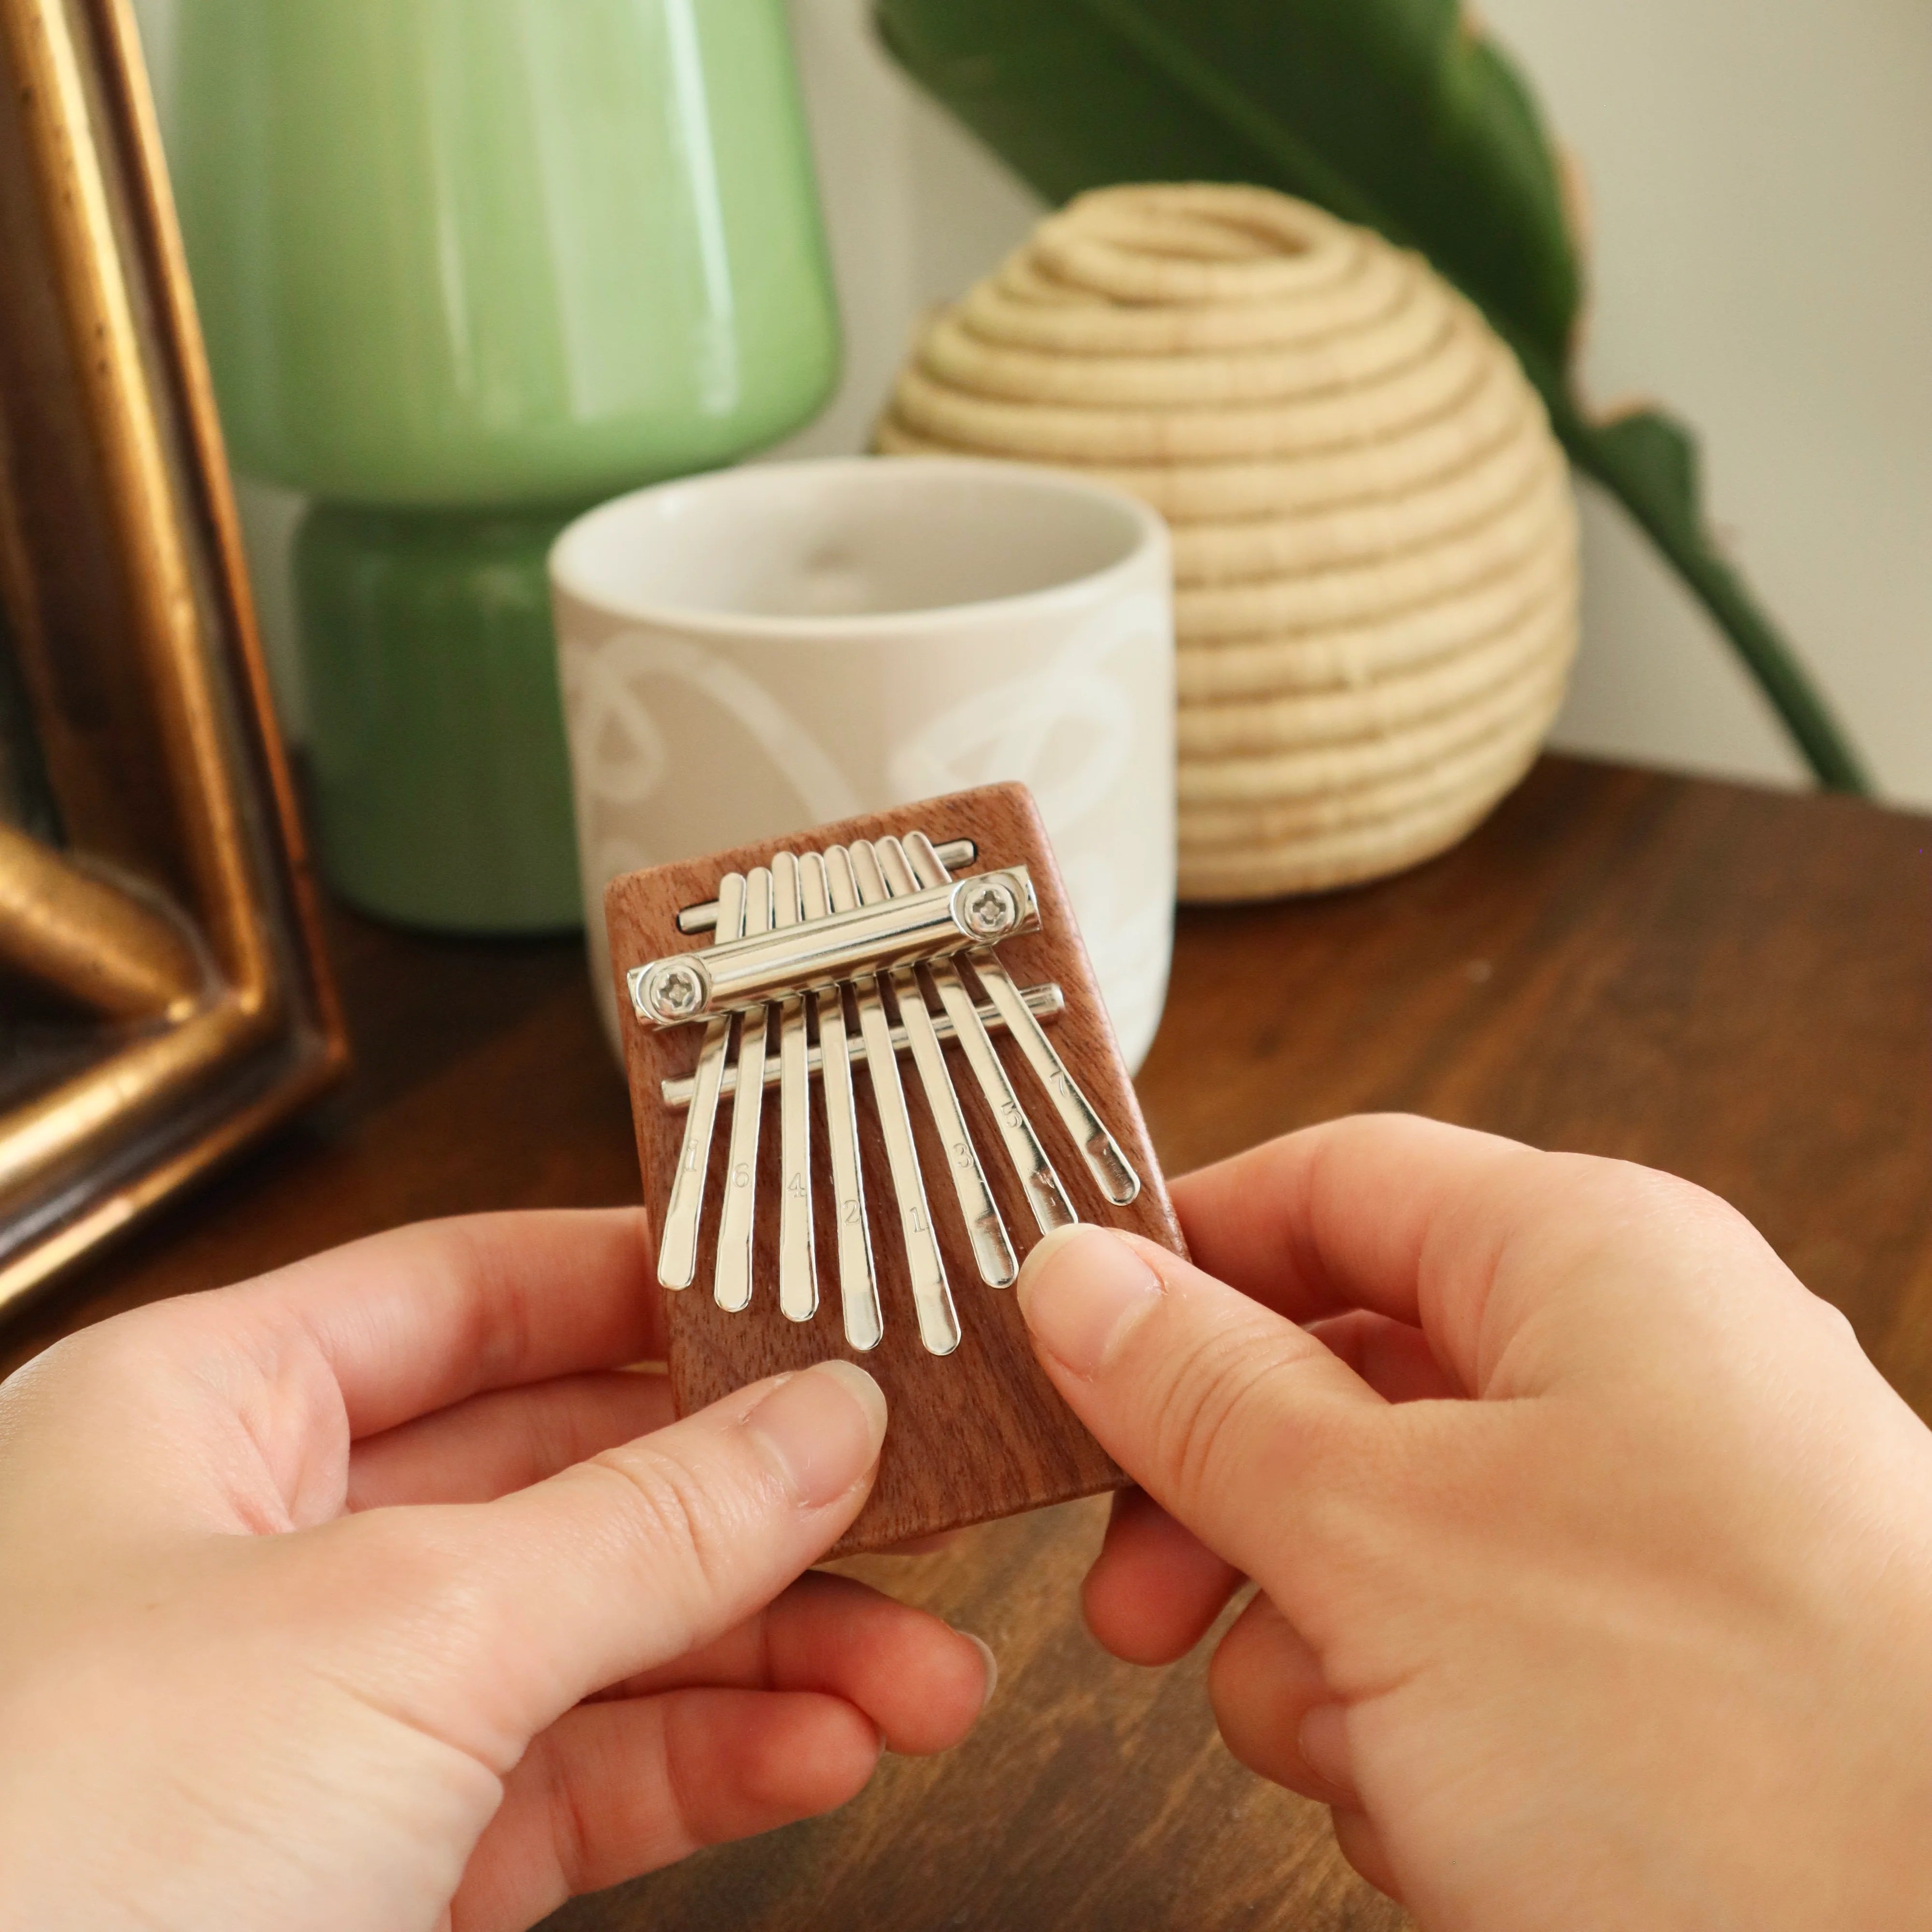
(308, 1582)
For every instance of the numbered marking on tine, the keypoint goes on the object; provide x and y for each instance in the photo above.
(798, 1267)
(858, 1283)
(1109, 1166)
(732, 1282)
(882, 872)
(677, 1241)
(932, 1297)
(1044, 1191)
(1045, 1194)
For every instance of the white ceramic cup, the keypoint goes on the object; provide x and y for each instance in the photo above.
(760, 650)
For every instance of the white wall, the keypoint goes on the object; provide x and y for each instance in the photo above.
(1761, 175)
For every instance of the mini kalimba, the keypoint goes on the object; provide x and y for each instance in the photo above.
(912, 988)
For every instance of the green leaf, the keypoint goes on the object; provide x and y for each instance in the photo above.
(1394, 113)
(1390, 112)
(1659, 455)
(1649, 461)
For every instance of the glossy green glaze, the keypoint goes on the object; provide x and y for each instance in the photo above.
(439, 782)
(472, 252)
(464, 268)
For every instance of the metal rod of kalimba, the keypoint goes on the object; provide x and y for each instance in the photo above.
(992, 1252)
(798, 1267)
(1047, 1000)
(932, 1297)
(1044, 1194)
(1108, 1164)
(677, 1243)
(732, 1279)
(703, 918)
(858, 1284)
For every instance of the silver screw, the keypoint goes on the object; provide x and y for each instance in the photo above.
(675, 992)
(991, 909)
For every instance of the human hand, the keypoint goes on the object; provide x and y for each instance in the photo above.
(306, 1583)
(1639, 1637)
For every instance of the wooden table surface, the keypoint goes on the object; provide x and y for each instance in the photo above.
(1736, 985)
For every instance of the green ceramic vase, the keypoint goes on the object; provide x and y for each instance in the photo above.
(465, 267)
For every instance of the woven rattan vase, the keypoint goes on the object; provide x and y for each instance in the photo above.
(1374, 538)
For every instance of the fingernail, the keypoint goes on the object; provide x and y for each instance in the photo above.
(821, 1430)
(986, 1650)
(1081, 1290)
(1323, 1742)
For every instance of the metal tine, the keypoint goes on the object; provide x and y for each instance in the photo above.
(677, 1243)
(1045, 1194)
(703, 918)
(858, 1284)
(798, 1266)
(932, 1297)
(991, 1249)
(1108, 1165)
(732, 1283)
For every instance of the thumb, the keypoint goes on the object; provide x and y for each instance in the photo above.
(1238, 1424)
(631, 1560)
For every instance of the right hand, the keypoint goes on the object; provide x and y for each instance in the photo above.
(1594, 1558)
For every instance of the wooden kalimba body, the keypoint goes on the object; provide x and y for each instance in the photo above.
(869, 1069)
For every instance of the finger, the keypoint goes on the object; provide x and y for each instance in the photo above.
(1476, 1240)
(1361, 1843)
(613, 1790)
(921, 1683)
(612, 1566)
(1264, 1684)
(1337, 1216)
(1394, 1359)
(505, 1439)
(414, 1320)
(1239, 1424)
(1155, 1587)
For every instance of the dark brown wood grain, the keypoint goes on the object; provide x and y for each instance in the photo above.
(979, 1433)
(1732, 983)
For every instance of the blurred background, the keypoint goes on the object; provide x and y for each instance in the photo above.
(1759, 176)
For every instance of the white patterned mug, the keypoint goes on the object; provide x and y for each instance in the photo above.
(763, 649)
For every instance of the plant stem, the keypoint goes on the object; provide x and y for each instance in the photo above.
(1806, 715)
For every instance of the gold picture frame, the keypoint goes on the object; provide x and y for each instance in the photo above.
(160, 948)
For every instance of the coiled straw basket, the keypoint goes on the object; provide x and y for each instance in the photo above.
(1375, 542)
